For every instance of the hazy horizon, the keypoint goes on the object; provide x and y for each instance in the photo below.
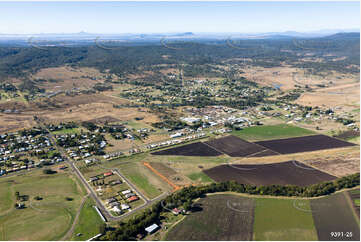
(176, 17)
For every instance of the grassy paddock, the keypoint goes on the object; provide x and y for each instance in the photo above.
(200, 177)
(5, 198)
(89, 222)
(46, 219)
(142, 178)
(268, 132)
(279, 219)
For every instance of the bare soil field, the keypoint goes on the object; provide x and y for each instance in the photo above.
(284, 173)
(334, 214)
(217, 217)
(303, 144)
(236, 147)
(194, 149)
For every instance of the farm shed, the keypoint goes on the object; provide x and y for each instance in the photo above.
(152, 228)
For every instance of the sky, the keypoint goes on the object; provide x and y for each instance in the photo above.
(170, 17)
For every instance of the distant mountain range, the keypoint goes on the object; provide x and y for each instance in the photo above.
(85, 37)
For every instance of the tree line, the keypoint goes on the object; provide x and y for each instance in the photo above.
(135, 226)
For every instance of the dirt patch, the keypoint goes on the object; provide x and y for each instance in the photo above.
(303, 144)
(194, 149)
(348, 134)
(236, 147)
(284, 173)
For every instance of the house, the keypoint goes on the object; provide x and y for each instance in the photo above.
(62, 167)
(94, 178)
(129, 195)
(176, 211)
(126, 192)
(133, 198)
(151, 229)
(108, 174)
(111, 200)
(125, 206)
(116, 209)
(116, 182)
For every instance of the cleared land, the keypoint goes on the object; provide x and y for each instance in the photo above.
(284, 173)
(219, 217)
(148, 183)
(304, 144)
(236, 147)
(334, 214)
(267, 132)
(194, 149)
(279, 219)
(173, 176)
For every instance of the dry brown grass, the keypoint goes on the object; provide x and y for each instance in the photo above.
(68, 77)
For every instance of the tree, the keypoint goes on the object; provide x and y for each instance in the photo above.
(48, 171)
(188, 205)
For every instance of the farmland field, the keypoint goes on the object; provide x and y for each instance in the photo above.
(267, 132)
(355, 197)
(303, 144)
(279, 219)
(221, 217)
(284, 173)
(194, 149)
(334, 214)
(235, 147)
(46, 219)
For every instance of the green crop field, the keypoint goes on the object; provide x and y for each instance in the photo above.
(280, 219)
(46, 219)
(88, 223)
(199, 177)
(268, 132)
